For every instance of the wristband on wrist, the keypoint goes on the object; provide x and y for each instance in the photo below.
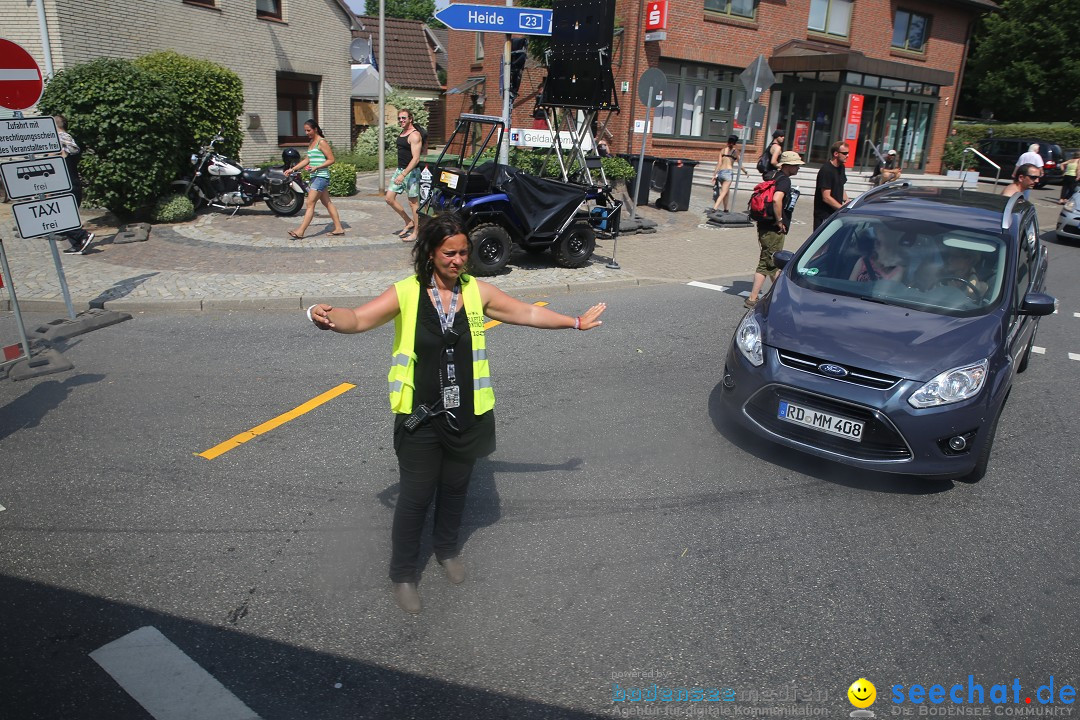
(311, 319)
(577, 323)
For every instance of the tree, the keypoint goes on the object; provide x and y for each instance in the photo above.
(422, 10)
(1024, 64)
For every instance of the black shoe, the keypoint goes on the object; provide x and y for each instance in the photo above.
(407, 597)
(73, 250)
(455, 569)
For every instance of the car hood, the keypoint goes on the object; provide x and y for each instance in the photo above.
(885, 338)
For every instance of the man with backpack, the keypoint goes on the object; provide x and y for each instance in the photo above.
(771, 205)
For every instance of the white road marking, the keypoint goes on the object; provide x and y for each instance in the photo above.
(1074, 356)
(1076, 314)
(165, 681)
(707, 286)
(2, 508)
(1038, 350)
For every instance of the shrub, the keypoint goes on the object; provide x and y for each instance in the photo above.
(128, 123)
(211, 98)
(1067, 136)
(342, 179)
(172, 209)
(367, 143)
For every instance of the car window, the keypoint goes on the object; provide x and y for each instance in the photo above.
(908, 262)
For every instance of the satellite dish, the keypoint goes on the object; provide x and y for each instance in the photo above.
(360, 50)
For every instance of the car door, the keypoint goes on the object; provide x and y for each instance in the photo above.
(1027, 277)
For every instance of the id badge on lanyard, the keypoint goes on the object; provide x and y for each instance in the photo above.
(451, 391)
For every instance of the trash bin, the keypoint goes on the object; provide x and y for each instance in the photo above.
(677, 183)
(646, 176)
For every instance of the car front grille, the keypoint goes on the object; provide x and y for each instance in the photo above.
(881, 442)
(858, 376)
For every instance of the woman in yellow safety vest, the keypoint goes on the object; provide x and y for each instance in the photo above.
(440, 388)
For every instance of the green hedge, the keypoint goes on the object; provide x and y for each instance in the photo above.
(342, 179)
(1067, 136)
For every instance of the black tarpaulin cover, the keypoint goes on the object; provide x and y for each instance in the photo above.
(543, 205)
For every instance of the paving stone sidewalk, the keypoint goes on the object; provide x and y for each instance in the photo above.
(221, 261)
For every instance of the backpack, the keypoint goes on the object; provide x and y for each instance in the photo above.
(764, 163)
(423, 136)
(761, 201)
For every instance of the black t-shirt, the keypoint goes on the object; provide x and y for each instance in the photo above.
(476, 435)
(791, 196)
(828, 178)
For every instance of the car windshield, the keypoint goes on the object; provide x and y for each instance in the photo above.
(913, 263)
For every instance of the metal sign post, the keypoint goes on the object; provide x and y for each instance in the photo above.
(6, 276)
(651, 89)
(755, 78)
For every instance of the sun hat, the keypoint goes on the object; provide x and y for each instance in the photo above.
(790, 157)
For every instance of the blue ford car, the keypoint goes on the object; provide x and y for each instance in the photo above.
(891, 338)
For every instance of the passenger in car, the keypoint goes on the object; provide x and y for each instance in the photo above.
(886, 262)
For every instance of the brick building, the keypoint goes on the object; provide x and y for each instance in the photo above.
(293, 57)
(901, 60)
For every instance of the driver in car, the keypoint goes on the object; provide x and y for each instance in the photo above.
(956, 269)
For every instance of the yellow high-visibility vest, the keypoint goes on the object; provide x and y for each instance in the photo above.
(403, 364)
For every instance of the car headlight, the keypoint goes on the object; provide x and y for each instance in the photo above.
(1071, 205)
(951, 386)
(748, 340)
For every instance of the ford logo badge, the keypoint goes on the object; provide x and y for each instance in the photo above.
(832, 370)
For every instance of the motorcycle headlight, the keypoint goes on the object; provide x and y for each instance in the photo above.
(951, 386)
(194, 159)
(748, 340)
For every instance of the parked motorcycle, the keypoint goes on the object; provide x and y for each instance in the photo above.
(220, 182)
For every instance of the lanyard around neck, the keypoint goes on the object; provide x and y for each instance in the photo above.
(446, 318)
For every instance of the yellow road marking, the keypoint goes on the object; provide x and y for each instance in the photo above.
(269, 425)
(492, 323)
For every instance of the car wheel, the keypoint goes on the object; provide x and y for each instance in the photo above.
(575, 247)
(491, 249)
(983, 460)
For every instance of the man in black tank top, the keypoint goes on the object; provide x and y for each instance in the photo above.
(406, 179)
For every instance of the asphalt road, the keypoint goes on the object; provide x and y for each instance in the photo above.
(621, 533)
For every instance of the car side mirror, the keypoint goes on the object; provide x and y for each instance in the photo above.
(782, 258)
(1037, 304)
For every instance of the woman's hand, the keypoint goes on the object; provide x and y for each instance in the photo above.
(588, 320)
(320, 315)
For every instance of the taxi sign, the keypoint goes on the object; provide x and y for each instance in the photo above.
(27, 178)
(43, 217)
(28, 136)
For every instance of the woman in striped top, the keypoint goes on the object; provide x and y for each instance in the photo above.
(318, 158)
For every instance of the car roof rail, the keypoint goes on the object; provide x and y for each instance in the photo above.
(1006, 215)
(874, 191)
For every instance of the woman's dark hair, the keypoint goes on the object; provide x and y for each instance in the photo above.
(433, 231)
(315, 126)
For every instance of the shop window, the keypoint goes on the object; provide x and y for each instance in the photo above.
(734, 8)
(910, 31)
(297, 100)
(830, 17)
(268, 9)
(699, 102)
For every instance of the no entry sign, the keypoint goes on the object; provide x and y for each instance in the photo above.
(20, 77)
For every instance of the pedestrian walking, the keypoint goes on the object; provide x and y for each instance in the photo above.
(1031, 157)
(776, 147)
(771, 232)
(1068, 178)
(406, 179)
(726, 166)
(829, 193)
(1026, 177)
(318, 159)
(79, 238)
(440, 388)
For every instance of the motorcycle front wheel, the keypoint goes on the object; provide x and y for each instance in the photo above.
(182, 187)
(286, 203)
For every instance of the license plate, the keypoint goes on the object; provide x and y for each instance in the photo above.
(821, 421)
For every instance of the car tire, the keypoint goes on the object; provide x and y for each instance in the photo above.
(491, 249)
(575, 247)
(983, 461)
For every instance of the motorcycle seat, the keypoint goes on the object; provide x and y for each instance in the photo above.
(253, 175)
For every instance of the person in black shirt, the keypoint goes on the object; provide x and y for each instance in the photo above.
(441, 369)
(771, 232)
(829, 192)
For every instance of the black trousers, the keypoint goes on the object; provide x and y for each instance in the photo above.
(427, 471)
(77, 236)
(1068, 184)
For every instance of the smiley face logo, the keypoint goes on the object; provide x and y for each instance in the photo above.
(862, 693)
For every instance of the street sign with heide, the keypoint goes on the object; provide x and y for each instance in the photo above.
(496, 18)
(27, 178)
(43, 217)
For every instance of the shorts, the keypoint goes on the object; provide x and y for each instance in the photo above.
(724, 176)
(410, 186)
(771, 241)
(318, 184)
